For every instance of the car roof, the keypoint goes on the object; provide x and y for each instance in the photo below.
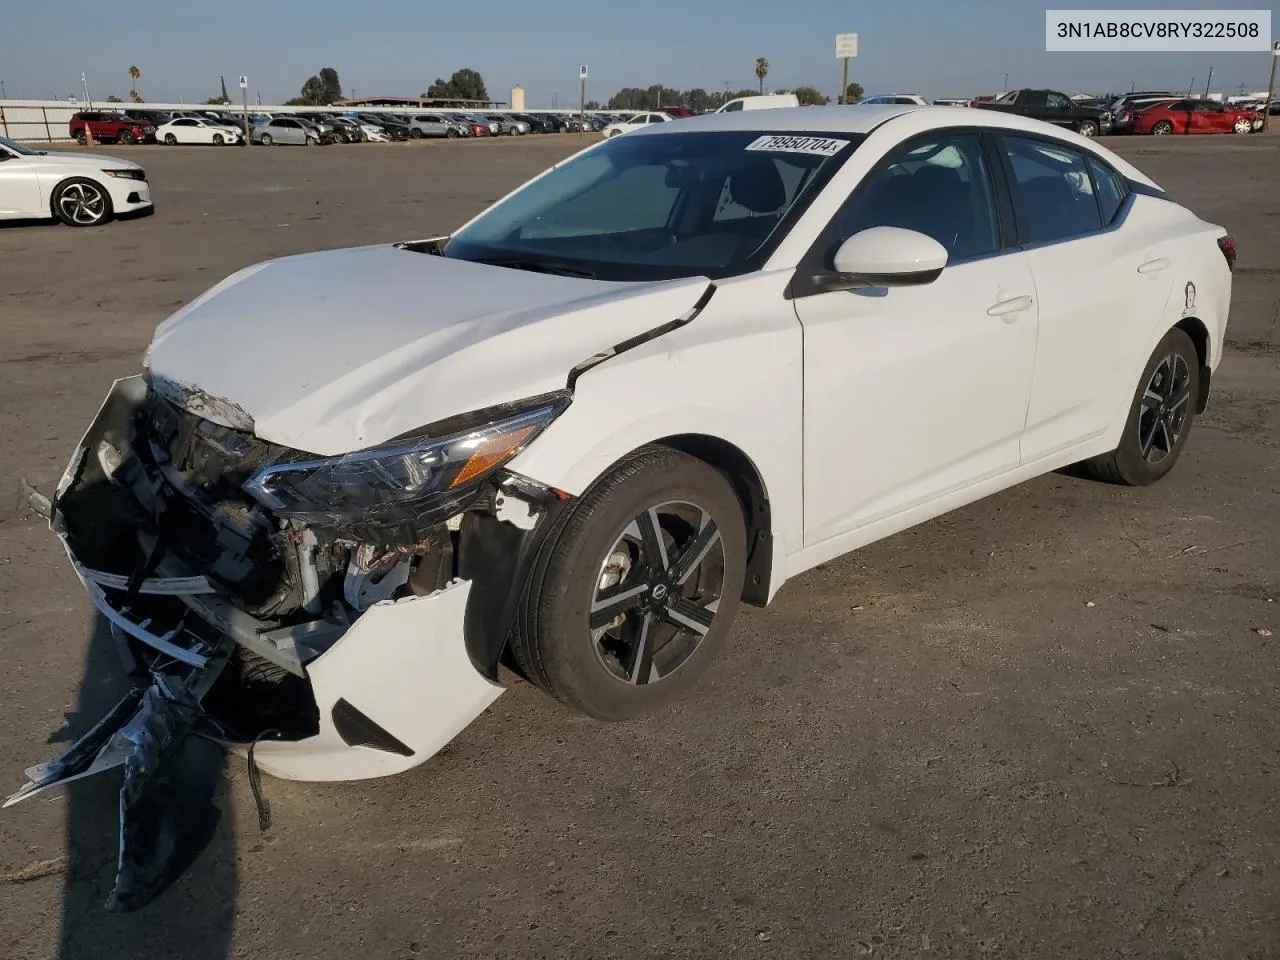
(857, 118)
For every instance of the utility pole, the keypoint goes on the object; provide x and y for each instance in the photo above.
(3, 95)
(88, 101)
(1191, 86)
(1207, 83)
(1005, 88)
(1271, 86)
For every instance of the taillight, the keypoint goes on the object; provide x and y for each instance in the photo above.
(1228, 248)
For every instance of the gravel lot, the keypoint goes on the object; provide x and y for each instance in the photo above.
(1045, 725)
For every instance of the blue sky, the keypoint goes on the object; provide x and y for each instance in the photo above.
(399, 46)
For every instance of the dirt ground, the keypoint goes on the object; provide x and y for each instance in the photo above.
(1043, 726)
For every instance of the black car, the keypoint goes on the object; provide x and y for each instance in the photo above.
(1052, 107)
(394, 128)
(537, 124)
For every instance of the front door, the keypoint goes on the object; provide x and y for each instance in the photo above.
(911, 393)
(19, 188)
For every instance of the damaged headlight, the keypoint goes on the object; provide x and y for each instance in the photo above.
(425, 479)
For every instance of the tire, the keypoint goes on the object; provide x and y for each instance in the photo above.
(125, 137)
(451, 134)
(81, 138)
(415, 133)
(612, 134)
(601, 670)
(309, 141)
(80, 202)
(1243, 126)
(266, 140)
(1162, 128)
(1127, 464)
(219, 139)
(1087, 128)
(171, 139)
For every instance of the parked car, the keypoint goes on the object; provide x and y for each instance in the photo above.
(639, 121)
(507, 126)
(80, 189)
(347, 131)
(109, 126)
(286, 130)
(493, 126)
(902, 99)
(474, 127)
(766, 101)
(392, 129)
(432, 125)
(1125, 108)
(536, 123)
(190, 130)
(1195, 116)
(322, 519)
(1051, 107)
(949, 102)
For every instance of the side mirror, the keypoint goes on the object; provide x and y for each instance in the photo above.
(888, 257)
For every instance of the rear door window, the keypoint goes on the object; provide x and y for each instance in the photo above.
(1052, 190)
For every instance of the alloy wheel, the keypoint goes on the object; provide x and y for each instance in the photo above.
(657, 593)
(1163, 414)
(82, 203)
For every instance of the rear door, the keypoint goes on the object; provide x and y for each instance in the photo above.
(1100, 292)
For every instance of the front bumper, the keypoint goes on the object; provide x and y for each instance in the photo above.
(128, 196)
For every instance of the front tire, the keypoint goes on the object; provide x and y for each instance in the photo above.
(125, 137)
(1243, 126)
(635, 592)
(1160, 416)
(219, 139)
(79, 202)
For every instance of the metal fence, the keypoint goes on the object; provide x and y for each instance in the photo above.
(46, 121)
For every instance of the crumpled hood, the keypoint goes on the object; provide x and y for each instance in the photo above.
(335, 351)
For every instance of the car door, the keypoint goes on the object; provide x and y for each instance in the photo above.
(914, 392)
(19, 186)
(187, 130)
(1100, 289)
(1058, 109)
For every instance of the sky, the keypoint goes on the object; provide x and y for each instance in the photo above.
(398, 47)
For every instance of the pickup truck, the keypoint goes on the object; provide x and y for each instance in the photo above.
(1051, 107)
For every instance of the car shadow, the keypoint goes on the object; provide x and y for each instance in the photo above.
(192, 914)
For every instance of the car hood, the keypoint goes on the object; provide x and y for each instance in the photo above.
(95, 160)
(332, 352)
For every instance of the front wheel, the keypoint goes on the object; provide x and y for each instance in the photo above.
(1243, 125)
(1087, 128)
(1160, 416)
(1162, 128)
(634, 593)
(451, 134)
(79, 202)
(125, 137)
(219, 139)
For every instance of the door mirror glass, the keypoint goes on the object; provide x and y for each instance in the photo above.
(890, 257)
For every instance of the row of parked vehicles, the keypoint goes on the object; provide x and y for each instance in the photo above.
(218, 127)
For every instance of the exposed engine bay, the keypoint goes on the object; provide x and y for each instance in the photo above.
(372, 638)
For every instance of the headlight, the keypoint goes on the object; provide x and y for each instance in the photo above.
(129, 174)
(427, 479)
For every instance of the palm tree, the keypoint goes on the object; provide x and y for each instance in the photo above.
(134, 74)
(762, 70)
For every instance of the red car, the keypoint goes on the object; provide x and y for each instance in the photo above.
(111, 127)
(1195, 116)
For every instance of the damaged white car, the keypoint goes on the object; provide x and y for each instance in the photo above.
(661, 378)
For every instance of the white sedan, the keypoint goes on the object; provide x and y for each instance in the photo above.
(638, 122)
(664, 377)
(80, 189)
(195, 130)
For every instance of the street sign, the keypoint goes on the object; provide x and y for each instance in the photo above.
(846, 45)
(244, 83)
(582, 72)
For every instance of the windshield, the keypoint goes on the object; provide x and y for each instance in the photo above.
(19, 148)
(658, 207)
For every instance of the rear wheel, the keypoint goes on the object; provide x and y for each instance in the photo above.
(266, 140)
(1160, 416)
(1087, 128)
(80, 137)
(1162, 128)
(415, 133)
(635, 592)
(170, 139)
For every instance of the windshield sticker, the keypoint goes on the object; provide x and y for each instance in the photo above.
(815, 146)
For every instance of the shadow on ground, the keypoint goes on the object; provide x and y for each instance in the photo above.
(198, 901)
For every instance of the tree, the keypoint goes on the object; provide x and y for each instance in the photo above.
(134, 74)
(811, 97)
(853, 93)
(319, 90)
(212, 101)
(330, 86)
(762, 71)
(698, 100)
(591, 105)
(465, 84)
(114, 99)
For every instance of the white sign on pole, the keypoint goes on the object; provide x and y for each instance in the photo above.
(582, 72)
(846, 45)
(244, 83)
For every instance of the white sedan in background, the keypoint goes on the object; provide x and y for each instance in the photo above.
(664, 377)
(80, 189)
(187, 130)
(638, 122)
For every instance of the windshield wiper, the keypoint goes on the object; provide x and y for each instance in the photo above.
(539, 266)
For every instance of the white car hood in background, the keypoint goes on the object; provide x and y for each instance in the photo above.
(331, 352)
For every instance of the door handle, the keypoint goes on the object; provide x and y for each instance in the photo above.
(1010, 308)
(1154, 266)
